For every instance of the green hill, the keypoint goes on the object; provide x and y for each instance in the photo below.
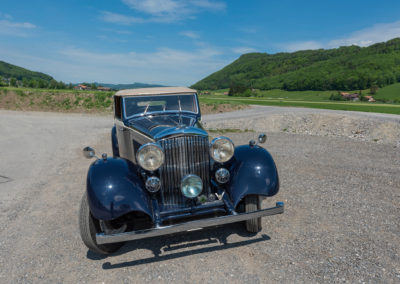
(12, 71)
(389, 93)
(344, 68)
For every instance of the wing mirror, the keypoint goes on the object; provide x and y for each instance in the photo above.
(262, 138)
(88, 152)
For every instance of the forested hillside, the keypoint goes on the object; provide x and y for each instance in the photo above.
(8, 70)
(344, 68)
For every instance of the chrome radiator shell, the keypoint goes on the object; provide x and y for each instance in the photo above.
(183, 155)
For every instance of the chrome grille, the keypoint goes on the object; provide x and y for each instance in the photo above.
(183, 155)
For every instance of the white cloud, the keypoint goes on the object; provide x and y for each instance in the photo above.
(209, 5)
(190, 34)
(244, 49)
(13, 28)
(155, 7)
(377, 33)
(302, 45)
(163, 11)
(5, 16)
(164, 65)
(119, 19)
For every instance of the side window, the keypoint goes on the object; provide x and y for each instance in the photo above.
(117, 107)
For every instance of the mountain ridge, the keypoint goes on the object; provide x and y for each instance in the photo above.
(343, 68)
(9, 70)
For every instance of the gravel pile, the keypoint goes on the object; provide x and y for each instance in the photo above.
(361, 127)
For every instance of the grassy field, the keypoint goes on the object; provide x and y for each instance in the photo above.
(27, 99)
(304, 99)
(98, 101)
(391, 92)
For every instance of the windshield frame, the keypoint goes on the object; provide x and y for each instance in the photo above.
(161, 112)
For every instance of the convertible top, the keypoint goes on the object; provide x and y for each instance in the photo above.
(155, 91)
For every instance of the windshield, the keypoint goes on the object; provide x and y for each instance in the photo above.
(159, 103)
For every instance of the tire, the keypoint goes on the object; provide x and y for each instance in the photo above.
(252, 203)
(89, 226)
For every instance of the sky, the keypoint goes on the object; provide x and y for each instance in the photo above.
(177, 42)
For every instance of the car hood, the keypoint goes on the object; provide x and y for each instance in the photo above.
(162, 126)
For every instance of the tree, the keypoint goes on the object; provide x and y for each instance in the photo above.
(373, 89)
(53, 84)
(25, 82)
(42, 84)
(32, 83)
(13, 82)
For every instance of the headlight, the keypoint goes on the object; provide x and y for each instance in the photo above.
(150, 156)
(222, 149)
(191, 186)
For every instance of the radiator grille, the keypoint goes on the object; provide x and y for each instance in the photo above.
(183, 156)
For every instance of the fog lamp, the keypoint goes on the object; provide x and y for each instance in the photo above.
(222, 175)
(191, 186)
(153, 184)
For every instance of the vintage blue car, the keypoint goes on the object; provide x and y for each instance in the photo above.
(165, 175)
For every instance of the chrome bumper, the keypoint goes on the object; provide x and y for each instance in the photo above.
(101, 238)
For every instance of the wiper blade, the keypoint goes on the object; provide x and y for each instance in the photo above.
(147, 107)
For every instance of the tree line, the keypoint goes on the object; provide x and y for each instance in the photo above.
(40, 84)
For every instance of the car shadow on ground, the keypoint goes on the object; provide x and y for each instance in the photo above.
(187, 243)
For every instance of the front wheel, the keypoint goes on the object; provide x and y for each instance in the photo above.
(89, 227)
(252, 203)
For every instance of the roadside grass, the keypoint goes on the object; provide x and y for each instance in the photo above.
(54, 91)
(391, 92)
(79, 101)
(215, 102)
(351, 106)
(55, 100)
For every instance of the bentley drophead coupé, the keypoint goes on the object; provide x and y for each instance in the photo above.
(165, 175)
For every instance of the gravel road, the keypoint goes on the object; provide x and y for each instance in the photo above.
(341, 222)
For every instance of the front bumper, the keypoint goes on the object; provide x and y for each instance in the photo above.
(102, 238)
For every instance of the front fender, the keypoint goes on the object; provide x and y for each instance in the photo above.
(114, 189)
(253, 171)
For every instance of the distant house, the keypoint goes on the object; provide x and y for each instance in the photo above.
(226, 93)
(350, 97)
(81, 87)
(105, 89)
(370, 99)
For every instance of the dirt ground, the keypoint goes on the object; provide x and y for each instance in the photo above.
(341, 221)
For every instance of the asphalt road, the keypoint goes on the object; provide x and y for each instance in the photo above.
(341, 222)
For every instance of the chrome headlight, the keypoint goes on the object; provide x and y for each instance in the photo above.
(191, 186)
(150, 156)
(222, 149)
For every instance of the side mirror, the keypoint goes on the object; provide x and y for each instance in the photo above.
(262, 138)
(88, 152)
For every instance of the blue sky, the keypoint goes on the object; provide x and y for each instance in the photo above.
(177, 42)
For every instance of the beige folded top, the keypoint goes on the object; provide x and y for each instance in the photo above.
(155, 91)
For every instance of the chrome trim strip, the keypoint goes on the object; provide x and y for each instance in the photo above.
(101, 238)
